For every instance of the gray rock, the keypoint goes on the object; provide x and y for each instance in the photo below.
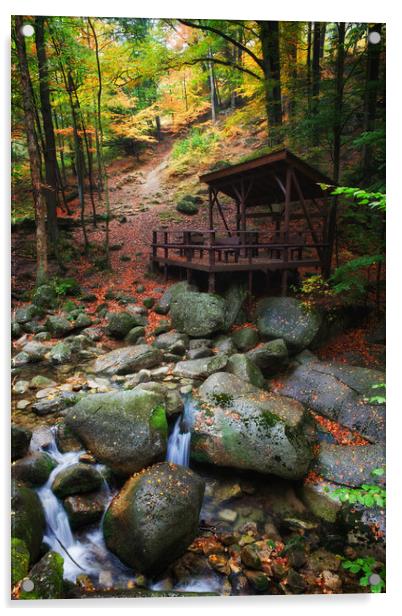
(351, 466)
(173, 342)
(42, 336)
(16, 330)
(154, 518)
(227, 384)
(260, 432)
(287, 318)
(120, 323)
(128, 360)
(199, 343)
(60, 353)
(235, 298)
(93, 333)
(84, 509)
(200, 368)
(82, 321)
(20, 439)
(198, 314)
(33, 470)
(245, 339)
(21, 359)
(199, 353)
(55, 405)
(59, 326)
(224, 344)
(40, 382)
(20, 387)
(26, 313)
(323, 387)
(243, 367)
(35, 350)
(126, 430)
(270, 357)
(76, 479)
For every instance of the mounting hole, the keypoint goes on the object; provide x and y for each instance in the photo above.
(374, 579)
(27, 30)
(27, 585)
(374, 38)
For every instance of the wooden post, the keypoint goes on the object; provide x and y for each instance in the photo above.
(286, 230)
(210, 208)
(211, 282)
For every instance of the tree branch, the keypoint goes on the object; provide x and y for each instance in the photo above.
(223, 63)
(237, 44)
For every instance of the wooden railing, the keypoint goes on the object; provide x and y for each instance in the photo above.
(242, 246)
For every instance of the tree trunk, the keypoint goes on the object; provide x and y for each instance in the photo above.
(308, 66)
(370, 98)
(33, 151)
(337, 134)
(212, 91)
(50, 190)
(269, 37)
(315, 86)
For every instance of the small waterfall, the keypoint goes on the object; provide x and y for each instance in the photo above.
(178, 447)
(88, 553)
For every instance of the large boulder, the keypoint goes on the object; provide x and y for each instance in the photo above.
(27, 519)
(125, 430)
(351, 466)
(198, 314)
(45, 296)
(339, 392)
(173, 293)
(235, 297)
(245, 338)
(128, 359)
(154, 518)
(243, 367)
(255, 431)
(288, 318)
(84, 509)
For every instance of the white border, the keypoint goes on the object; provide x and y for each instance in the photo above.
(343, 10)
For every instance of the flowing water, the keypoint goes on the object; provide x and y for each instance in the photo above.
(83, 552)
(178, 447)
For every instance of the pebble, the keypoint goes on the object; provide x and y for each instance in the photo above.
(186, 389)
(22, 404)
(21, 387)
(45, 393)
(228, 515)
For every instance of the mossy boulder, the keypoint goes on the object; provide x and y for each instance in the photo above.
(198, 314)
(76, 479)
(27, 519)
(126, 430)
(20, 440)
(200, 368)
(288, 318)
(19, 560)
(120, 323)
(173, 342)
(154, 518)
(255, 431)
(135, 334)
(173, 293)
(227, 384)
(128, 360)
(45, 296)
(33, 470)
(320, 500)
(240, 365)
(60, 353)
(26, 313)
(47, 578)
(82, 321)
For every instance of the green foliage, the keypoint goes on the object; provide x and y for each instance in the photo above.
(66, 286)
(366, 566)
(374, 200)
(349, 278)
(367, 495)
(380, 398)
(197, 142)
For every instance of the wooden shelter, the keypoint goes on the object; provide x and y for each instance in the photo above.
(278, 187)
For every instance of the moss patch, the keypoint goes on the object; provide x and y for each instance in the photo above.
(19, 560)
(158, 420)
